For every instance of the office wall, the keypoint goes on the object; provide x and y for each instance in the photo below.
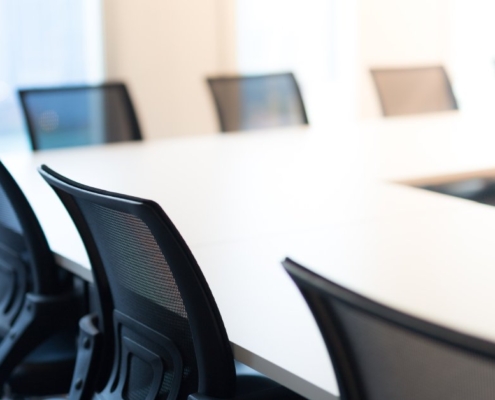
(400, 33)
(163, 49)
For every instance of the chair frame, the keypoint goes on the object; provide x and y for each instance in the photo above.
(229, 78)
(216, 377)
(373, 71)
(315, 289)
(131, 112)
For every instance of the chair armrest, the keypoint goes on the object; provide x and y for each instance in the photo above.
(88, 354)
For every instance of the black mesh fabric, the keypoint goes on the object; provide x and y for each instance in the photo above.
(64, 117)
(258, 102)
(6, 280)
(8, 217)
(12, 251)
(395, 363)
(414, 90)
(139, 382)
(143, 288)
(7, 284)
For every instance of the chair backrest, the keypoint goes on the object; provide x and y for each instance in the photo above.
(257, 102)
(27, 267)
(39, 303)
(155, 302)
(79, 115)
(381, 354)
(404, 91)
(26, 261)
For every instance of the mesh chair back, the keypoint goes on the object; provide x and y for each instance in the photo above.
(13, 273)
(79, 115)
(257, 102)
(414, 90)
(39, 305)
(169, 336)
(26, 262)
(381, 354)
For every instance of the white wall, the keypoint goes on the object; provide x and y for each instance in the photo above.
(400, 33)
(474, 54)
(164, 49)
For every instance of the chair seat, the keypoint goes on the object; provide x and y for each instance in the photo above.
(55, 358)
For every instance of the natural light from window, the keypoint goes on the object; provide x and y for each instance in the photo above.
(315, 39)
(42, 43)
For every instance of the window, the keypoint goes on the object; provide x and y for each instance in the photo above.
(473, 54)
(44, 42)
(315, 39)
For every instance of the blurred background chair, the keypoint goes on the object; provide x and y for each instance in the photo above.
(79, 115)
(257, 102)
(381, 353)
(39, 307)
(481, 190)
(404, 91)
(156, 308)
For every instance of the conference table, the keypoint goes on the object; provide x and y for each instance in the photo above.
(340, 199)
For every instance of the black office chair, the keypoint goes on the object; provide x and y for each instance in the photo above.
(381, 353)
(39, 308)
(405, 91)
(156, 309)
(257, 102)
(79, 115)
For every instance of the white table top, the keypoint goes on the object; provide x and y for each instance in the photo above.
(324, 197)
